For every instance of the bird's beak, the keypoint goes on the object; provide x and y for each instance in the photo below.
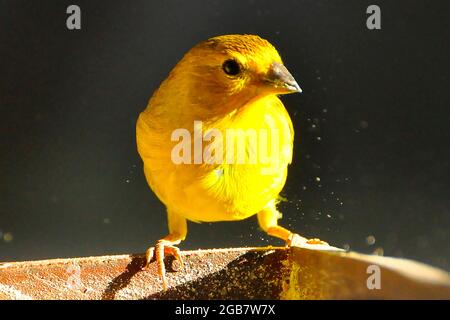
(280, 78)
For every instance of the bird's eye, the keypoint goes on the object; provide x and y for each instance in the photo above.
(231, 67)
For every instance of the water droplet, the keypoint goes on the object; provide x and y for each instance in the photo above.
(370, 240)
(8, 237)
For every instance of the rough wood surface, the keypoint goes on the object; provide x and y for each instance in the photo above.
(317, 272)
(252, 273)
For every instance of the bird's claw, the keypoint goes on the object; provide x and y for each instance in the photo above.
(149, 254)
(317, 241)
(296, 240)
(158, 252)
(175, 252)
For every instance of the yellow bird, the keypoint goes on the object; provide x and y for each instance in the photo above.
(216, 140)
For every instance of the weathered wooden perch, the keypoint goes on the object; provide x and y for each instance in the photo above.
(243, 273)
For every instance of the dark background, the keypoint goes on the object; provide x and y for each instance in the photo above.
(372, 123)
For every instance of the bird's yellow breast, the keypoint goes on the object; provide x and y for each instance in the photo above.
(234, 187)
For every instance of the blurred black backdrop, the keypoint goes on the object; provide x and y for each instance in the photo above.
(371, 167)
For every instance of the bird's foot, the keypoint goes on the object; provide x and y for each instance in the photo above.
(162, 248)
(317, 241)
(297, 241)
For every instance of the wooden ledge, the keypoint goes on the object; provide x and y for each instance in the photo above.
(313, 272)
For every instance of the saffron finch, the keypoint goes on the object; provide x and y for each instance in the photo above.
(227, 87)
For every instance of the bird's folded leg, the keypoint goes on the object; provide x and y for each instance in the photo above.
(167, 245)
(268, 221)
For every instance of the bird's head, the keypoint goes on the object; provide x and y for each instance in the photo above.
(226, 72)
